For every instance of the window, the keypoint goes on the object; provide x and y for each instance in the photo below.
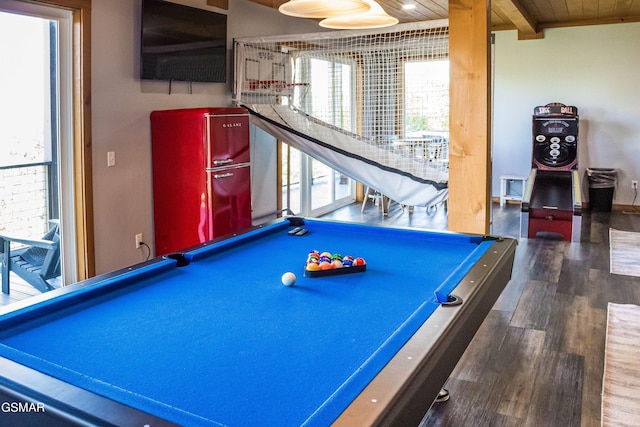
(28, 126)
(426, 95)
(61, 116)
(334, 79)
(426, 108)
(310, 187)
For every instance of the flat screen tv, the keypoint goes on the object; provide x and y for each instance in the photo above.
(182, 43)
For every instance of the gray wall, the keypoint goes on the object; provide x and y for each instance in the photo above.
(594, 68)
(121, 105)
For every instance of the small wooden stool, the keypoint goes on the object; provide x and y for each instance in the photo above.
(505, 188)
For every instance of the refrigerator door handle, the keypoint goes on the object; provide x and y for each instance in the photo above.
(222, 175)
(226, 168)
(222, 162)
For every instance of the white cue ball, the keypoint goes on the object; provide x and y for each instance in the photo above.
(288, 278)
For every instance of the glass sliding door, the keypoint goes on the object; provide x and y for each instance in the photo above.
(311, 188)
(290, 170)
(321, 185)
(426, 107)
(35, 130)
(317, 187)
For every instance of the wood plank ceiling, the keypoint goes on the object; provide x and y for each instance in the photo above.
(529, 17)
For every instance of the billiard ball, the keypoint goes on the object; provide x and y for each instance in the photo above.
(359, 262)
(288, 278)
(312, 266)
(326, 265)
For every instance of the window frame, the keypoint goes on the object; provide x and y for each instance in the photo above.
(81, 154)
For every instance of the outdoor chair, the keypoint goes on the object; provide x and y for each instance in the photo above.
(36, 263)
(380, 200)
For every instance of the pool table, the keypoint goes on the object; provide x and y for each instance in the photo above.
(211, 337)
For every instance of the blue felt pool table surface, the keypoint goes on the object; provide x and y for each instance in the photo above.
(223, 342)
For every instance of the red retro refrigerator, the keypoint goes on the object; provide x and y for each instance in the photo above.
(201, 175)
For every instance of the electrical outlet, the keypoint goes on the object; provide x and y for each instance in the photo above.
(634, 185)
(138, 240)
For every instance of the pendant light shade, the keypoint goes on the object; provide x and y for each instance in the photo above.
(375, 17)
(323, 8)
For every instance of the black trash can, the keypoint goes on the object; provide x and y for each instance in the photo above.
(602, 183)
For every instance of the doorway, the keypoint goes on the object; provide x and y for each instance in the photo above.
(36, 131)
(311, 188)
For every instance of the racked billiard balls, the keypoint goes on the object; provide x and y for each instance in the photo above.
(312, 266)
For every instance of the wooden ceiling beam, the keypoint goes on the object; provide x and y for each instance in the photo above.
(516, 13)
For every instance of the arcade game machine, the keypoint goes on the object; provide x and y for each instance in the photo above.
(553, 200)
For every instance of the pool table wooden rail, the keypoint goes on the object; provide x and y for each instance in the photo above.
(404, 390)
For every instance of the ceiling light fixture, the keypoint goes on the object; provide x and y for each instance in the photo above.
(323, 8)
(375, 17)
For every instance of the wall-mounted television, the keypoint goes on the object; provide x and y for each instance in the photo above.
(182, 43)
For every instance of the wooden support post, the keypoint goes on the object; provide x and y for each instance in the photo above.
(470, 116)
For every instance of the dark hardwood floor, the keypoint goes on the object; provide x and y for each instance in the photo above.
(538, 358)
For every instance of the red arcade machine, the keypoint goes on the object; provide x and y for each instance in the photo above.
(552, 201)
